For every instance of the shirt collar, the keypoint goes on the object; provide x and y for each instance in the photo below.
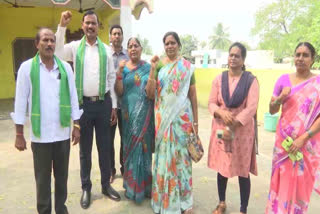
(55, 66)
(122, 52)
(96, 43)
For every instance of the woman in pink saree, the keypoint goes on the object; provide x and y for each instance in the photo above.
(292, 182)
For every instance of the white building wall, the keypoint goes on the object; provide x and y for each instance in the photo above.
(260, 59)
(125, 21)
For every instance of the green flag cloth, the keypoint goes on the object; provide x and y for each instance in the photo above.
(64, 94)
(80, 65)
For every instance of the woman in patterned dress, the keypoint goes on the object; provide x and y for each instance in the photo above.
(299, 95)
(233, 103)
(138, 123)
(175, 114)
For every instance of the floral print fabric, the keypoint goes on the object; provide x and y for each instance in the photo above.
(172, 168)
(292, 182)
(138, 133)
(236, 157)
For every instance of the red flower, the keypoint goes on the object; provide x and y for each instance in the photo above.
(172, 185)
(175, 85)
(155, 196)
(183, 75)
(185, 117)
(165, 201)
(186, 63)
(187, 127)
(158, 121)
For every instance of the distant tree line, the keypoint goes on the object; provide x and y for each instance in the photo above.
(279, 25)
(282, 24)
(219, 39)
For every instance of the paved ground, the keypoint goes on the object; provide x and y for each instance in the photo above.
(17, 185)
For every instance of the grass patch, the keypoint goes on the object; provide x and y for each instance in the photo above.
(267, 79)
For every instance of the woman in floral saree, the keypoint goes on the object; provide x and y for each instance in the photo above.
(299, 94)
(175, 113)
(138, 123)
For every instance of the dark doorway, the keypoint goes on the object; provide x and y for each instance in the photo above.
(23, 49)
(76, 35)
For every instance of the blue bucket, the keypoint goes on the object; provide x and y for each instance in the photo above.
(270, 121)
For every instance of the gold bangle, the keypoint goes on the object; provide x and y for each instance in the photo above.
(151, 79)
(76, 126)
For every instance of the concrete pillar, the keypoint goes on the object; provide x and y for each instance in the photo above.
(125, 21)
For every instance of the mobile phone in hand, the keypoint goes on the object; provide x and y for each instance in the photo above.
(219, 133)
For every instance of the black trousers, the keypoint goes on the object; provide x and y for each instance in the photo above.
(245, 186)
(96, 116)
(113, 133)
(48, 156)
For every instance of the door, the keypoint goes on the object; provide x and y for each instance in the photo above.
(23, 49)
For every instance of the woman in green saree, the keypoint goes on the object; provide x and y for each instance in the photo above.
(138, 123)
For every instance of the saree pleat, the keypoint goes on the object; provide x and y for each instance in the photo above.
(138, 133)
(292, 182)
(172, 168)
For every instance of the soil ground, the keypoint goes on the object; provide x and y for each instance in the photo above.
(17, 184)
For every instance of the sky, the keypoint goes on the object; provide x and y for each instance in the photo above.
(198, 18)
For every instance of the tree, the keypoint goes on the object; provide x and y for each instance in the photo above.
(310, 28)
(203, 44)
(189, 43)
(220, 38)
(283, 23)
(246, 44)
(146, 48)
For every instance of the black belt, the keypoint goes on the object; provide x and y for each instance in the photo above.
(95, 98)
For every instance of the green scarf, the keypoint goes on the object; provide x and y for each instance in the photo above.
(102, 68)
(65, 106)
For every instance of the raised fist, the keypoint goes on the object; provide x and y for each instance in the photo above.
(154, 61)
(65, 18)
(122, 63)
(285, 92)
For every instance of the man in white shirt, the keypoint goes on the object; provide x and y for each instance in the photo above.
(47, 84)
(118, 53)
(95, 78)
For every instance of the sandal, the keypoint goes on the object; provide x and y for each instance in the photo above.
(187, 211)
(220, 209)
